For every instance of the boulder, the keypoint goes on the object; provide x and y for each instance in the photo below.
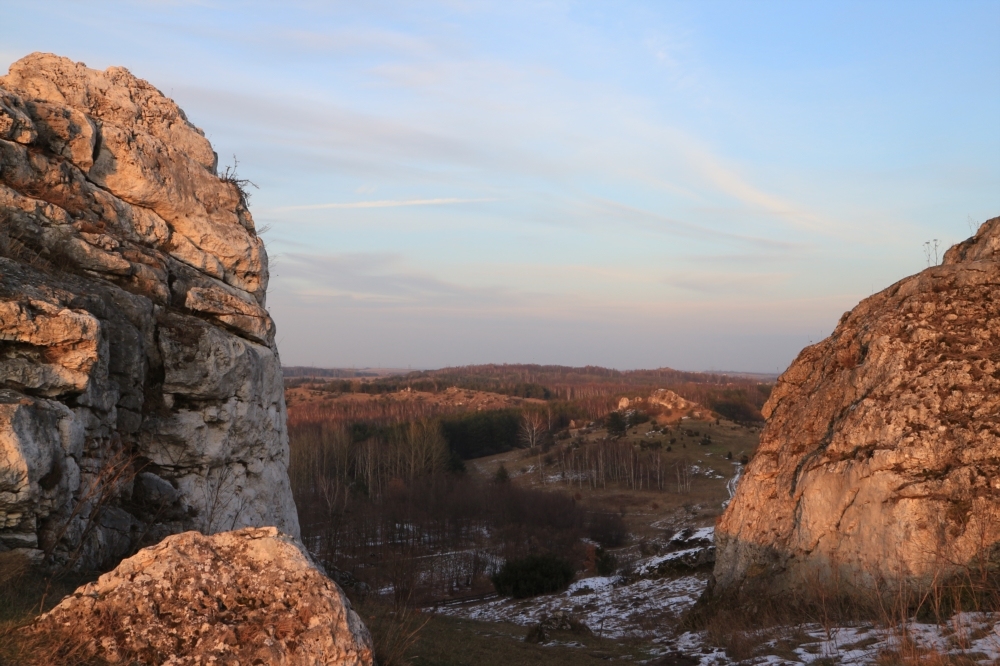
(252, 596)
(879, 465)
(140, 385)
(557, 621)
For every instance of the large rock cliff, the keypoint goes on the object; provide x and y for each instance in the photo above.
(880, 460)
(140, 386)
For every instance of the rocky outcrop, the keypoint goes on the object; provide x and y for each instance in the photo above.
(665, 399)
(251, 597)
(140, 387)
(668, 400)
(880, 460)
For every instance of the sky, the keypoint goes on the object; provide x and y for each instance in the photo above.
(700, 185)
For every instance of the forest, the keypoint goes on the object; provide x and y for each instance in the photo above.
(391, 494)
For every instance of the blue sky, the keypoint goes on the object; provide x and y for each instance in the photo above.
(701, 185)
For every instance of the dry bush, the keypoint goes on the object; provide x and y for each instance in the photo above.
(230, 176)
(740, 632)
(395, 630)
(43, 648)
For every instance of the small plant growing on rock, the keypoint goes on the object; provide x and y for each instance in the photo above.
(229, 175)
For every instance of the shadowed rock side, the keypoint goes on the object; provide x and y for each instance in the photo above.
(140, 387)
(880, 460)
(249, 597)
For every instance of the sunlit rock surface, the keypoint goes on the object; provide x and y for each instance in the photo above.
(140, 386)
(251, 597)
(880, 460)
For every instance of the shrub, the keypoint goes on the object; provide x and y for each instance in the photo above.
(616, 423)
(533, 575)
(637, 417)
(607, 529)
(478, 434)
(606, 562)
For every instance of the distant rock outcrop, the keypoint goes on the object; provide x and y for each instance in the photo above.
(667, 399)
(140, 387)
(880, 460)
(664, 399)
(249, 597)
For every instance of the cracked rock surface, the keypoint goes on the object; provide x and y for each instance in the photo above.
(245, 597)
(140, 386)
(880, 460)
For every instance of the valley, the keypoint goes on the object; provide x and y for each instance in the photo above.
(170, 494)
(627, 483)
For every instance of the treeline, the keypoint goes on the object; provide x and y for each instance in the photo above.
(373, 412)
(301, 371)
(736, 397)
(368, 453)
(741, 404)
(596, 464)
(388, 506)
(442, 534)
(329, 463)
(394, 384)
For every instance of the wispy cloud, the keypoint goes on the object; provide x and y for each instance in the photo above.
(725, 283)
(663, 223)
(382, 204)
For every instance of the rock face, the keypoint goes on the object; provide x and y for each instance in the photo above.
(249, 597)
(880, 460)
(140, 387)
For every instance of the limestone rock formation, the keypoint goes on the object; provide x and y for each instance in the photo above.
(880, 460)
(667, 399)
(251, 597)
(140, 386)
(663, 398)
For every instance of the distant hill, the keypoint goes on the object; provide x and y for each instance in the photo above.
(738, 396)
(340, 373)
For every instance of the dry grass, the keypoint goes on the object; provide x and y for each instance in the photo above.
(395, 630)
(447, 641)
(25, 593)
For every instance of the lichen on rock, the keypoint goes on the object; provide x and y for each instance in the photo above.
(880, 461)
(140, 386)
(252, 596)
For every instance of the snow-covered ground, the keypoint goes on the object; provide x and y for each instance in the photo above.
(642, 609)
(646, 604)
(649, 608)
(970, 638)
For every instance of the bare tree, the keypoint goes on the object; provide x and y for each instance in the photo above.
(532, 429)
(683, 471)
